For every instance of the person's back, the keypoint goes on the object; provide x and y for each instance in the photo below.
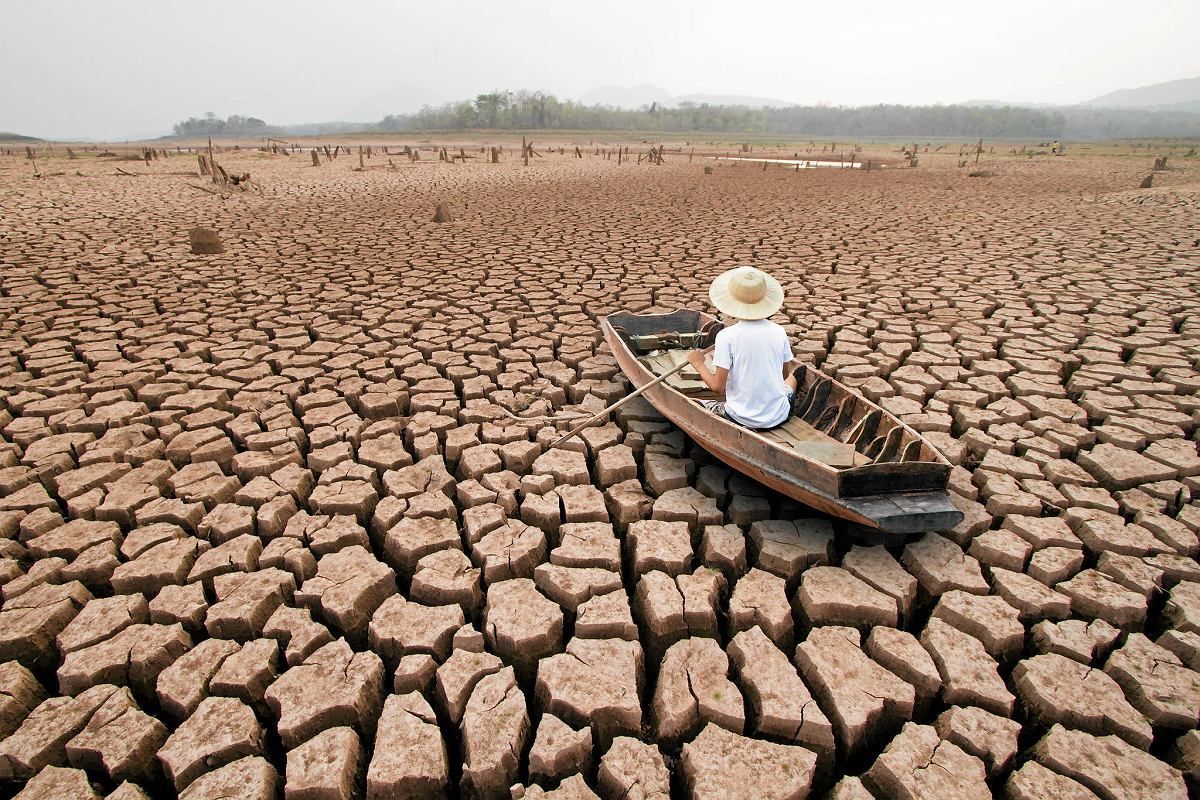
(751, 358)
(754, 352)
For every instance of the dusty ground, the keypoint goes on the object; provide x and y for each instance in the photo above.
(265, 533)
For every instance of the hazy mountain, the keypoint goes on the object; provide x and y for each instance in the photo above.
(1180, 95)
(1004, 104)
(646, 93)
(16, 137)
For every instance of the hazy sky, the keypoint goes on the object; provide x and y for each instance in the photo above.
(103, 69)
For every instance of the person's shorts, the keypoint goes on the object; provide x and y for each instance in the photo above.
(718, 407)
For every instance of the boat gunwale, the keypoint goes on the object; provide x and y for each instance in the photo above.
(938, 467)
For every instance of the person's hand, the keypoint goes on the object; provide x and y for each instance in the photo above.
(696, 358)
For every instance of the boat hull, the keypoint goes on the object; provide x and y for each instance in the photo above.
(801, 479)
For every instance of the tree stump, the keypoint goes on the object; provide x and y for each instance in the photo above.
(205, 241)
(708, 170)
(316, 158)
(1148, 182)
(442, 213)
(204, 168)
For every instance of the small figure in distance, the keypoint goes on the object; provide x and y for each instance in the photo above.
(752, 359)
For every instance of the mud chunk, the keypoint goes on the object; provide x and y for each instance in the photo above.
(352, 686)
(102, 618)
(919, 764)
(221, 730)
(635, 770)
(1031, 598)
(520, 624)
(588, 544)
(718, 764)
(41, 739)
(119, 740)
(724, 547)
(245, 601)
(513, 550)
(249, 778)
(760, 598)
(877, 567)
(413, 538)
(657, 545)
(495, 725)
(780, 703)
(834, 596)
(295, 629)
(400, 628)
(325, 767)
(162, 565)
(409, 757)
(457, 677)
(941, 566)
(1156, 683)
(447, 577)
(660, 611)
(1095, 596)
(1056, 689)
(566, 466)
(606, 616)
(968, 673)
(980, 733)
(53, 783)
(1034, 782)
(349, 586)
(20, 693)
(30, 623)
(900, 652)
(693, 688)
(1054, 565)
(1109, 766)
(181, 686)
(1075, 639)
(239, 554)
(597, 683)
(989, 619)
(788, 547)
(863, 699)
(247, 673)
(572, 586)
(134, 657)
(559, 750)
(1117, 468)
(1183, 608)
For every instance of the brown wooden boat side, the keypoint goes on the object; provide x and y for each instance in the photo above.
(898, 496)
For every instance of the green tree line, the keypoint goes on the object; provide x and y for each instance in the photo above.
(524, 110)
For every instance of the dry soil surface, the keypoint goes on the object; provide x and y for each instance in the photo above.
(265, 532)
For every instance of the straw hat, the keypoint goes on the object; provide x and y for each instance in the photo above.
(746, 293)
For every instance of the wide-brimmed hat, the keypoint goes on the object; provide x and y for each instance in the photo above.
(746, 293)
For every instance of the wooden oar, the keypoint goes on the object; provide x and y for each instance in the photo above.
(601, 414)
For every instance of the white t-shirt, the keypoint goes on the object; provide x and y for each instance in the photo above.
(754, 352)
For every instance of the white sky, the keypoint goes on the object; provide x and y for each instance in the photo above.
(110, 70)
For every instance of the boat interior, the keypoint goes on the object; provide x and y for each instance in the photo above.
(829, 424)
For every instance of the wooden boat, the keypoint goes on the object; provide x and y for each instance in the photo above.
(839, 453)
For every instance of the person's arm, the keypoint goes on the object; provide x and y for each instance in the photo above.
(713, 380)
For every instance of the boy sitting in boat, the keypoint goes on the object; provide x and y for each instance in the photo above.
(752, 358)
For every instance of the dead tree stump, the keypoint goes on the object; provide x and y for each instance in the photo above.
(205, 241)
(316, 158)
(205, 169)
(442, 213)
(1148, 182)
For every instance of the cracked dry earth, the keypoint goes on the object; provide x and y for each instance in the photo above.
(265, 532)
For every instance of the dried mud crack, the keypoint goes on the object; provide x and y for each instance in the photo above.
(269, 529)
